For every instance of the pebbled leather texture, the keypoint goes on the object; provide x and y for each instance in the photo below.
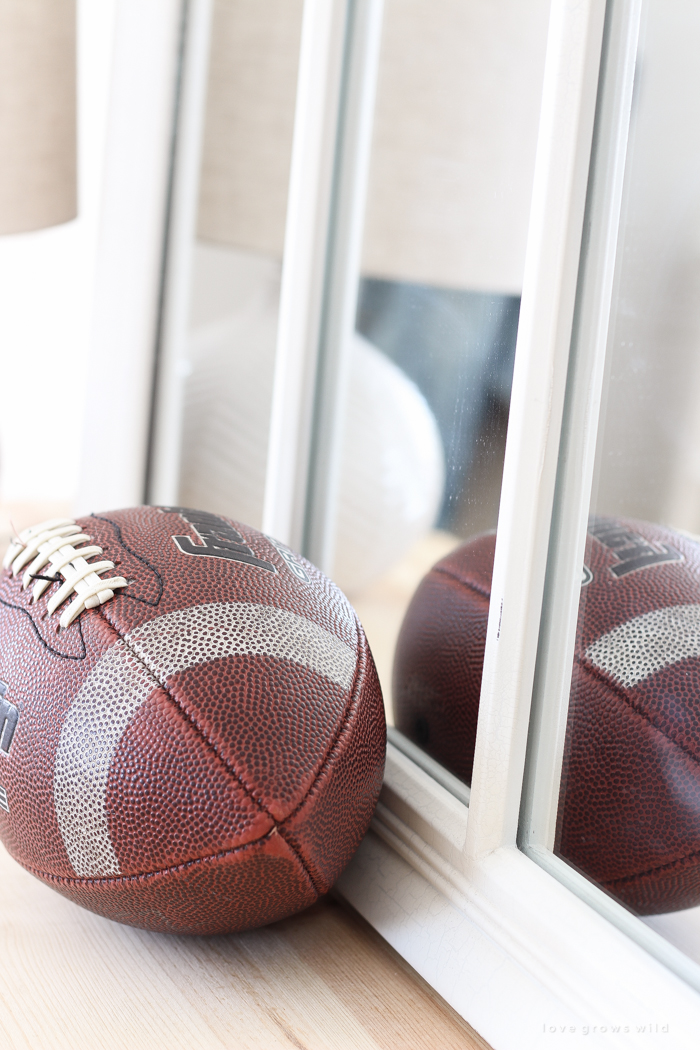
(440, 654)
(202, 753)
(629, 812)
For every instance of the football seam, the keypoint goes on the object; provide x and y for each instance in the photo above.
(277, 825)
(105, 880)
(468, 585)
(593, 672)
(190, 720)
(344, 724)
(653, 871)
(610, 682)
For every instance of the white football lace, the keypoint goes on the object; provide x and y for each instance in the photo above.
(53, 543)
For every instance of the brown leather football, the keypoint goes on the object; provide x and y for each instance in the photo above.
(192, 734)
(629, 812)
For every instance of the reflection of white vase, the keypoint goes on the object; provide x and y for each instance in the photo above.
(227, 399)
(392, 468)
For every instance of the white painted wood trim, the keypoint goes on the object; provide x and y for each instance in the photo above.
(541, 358)
(512, 947)
(421, 804)
(573, 487)
(341, 279)
(130, 254)
(508, 946)
(303, 267)
(579, 433)
(163, 473)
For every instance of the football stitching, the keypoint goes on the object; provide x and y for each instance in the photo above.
(654, 871)
(226, 765)
(139, 557)
(50, 648)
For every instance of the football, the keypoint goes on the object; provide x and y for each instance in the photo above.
(629, 809)
(192, 734)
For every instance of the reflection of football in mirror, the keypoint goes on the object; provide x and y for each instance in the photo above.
(629, 814)
(192, 733)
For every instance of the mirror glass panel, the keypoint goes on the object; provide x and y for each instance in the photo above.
(237, 255)
(431, 358)
(425, 404)
(629, 806)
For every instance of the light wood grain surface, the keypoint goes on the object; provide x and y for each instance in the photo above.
(323, 979)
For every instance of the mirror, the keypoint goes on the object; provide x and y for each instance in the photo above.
(629, 804)
(426, 400)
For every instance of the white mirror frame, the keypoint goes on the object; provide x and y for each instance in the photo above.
(510, 947)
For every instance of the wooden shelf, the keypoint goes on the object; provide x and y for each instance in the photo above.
(322, 979)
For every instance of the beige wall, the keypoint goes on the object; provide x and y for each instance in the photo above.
(249, 123)
(454, 139)
(46, 278)
(37, 114)
(649, 448)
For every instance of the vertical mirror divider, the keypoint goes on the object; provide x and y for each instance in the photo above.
(579, 427)
(170, 364)
(330, 156)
